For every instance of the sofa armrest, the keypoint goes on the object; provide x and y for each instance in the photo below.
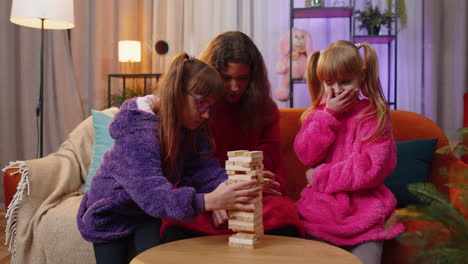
(11, 178)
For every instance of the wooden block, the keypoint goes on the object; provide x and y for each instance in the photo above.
(254, 227)
(245, 159)
(242, 177)
(246, 216)
(250, 241)
(241, 168)
(243, 163)
(250, 236)
(237, 153)
(256, 153)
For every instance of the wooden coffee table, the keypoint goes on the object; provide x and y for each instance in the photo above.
(273, 249)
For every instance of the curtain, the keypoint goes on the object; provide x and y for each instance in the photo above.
(445, 63)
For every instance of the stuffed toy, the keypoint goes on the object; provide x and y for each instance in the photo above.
(302, 46)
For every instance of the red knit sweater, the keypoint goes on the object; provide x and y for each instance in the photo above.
(278, 211)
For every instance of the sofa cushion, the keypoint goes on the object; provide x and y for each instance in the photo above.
(102, 142)
(414, 159)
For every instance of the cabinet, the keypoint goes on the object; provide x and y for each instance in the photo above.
(385, 44)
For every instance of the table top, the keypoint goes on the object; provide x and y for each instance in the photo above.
(272, 249)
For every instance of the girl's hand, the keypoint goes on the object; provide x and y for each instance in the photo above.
(232, 196)
(220, 218)
(270, 185)
(343, 101)
(309, 176)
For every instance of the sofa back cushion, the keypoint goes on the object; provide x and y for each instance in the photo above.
(102, 141)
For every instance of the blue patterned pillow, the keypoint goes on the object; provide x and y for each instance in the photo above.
(102, 142)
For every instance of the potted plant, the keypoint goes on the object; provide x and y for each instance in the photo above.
(372, 18)
(444, 240)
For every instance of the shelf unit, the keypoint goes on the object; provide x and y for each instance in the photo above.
(348, 12)
(124, 77)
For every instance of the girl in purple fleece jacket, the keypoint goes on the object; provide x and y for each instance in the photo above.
(160, 140)
(348, 143)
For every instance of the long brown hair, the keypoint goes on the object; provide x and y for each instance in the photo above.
(342, 60)
(194, 76)
(235, 46)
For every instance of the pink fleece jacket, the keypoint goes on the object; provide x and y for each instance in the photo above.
(347, 202)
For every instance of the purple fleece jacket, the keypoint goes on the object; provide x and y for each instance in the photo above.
(130, 186)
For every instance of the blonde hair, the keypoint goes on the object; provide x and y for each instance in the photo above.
(192, 75)
(342, 60)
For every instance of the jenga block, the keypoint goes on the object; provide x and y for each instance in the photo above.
(243, 163)
(255, 227)
(248, 173)
(242, 168)
(237, 153)
(244, 242)
(241, 177)
(245, 159)
(250, 236)
(256, 153)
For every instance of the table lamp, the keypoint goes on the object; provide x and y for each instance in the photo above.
(43, 14)
(129, 51)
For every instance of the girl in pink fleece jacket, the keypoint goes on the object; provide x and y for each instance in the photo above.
(346, 139)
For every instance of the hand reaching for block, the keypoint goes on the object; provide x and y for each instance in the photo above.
(232, 196)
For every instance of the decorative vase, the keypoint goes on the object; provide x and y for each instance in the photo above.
(314, 3)
(373, 30)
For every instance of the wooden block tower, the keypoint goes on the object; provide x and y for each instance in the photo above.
(243, 165)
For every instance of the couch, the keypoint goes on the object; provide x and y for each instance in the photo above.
(44, 210)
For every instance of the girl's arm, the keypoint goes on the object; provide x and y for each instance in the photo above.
(366, 168)
(317, 134)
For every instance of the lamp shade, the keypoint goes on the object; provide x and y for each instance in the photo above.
(58, 14)
(129, 50)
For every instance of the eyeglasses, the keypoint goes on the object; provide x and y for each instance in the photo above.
(202, 105)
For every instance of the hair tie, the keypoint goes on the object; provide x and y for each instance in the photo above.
(358, 45)
(189, 57)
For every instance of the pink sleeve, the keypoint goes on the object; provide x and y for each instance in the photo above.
(317, 134)
(364, 169)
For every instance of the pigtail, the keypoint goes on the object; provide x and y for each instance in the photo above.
(313, 83)
(373, 91)
(170, 87)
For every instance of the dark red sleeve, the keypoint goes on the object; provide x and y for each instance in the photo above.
(270, 143)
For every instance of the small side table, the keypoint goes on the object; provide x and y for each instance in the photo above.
(145, 76)
(271, 250)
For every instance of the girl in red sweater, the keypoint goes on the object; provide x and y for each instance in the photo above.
(245, 118)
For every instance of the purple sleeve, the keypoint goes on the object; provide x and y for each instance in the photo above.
(138, 169)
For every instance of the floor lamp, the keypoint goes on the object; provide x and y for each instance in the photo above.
(43, 14)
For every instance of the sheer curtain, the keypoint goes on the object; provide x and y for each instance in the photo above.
(445, 63)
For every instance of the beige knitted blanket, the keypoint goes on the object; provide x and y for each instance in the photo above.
(41, 219)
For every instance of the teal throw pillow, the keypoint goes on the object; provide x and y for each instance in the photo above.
(102, 142)
(413, 163)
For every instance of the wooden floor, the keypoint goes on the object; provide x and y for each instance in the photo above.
(5, 255)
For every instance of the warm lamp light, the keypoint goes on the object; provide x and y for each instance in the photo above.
(43, 14)
(57, 14)
(129, 51)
